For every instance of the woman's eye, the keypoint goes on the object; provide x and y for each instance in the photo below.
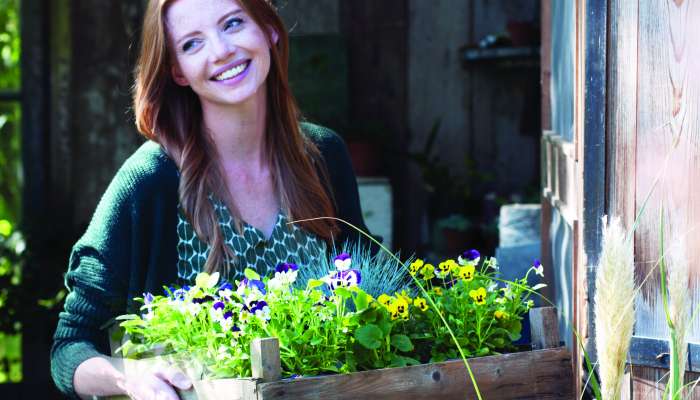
(232, 23)
(188, 45)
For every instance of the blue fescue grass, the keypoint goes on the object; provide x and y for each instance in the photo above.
(381, 273)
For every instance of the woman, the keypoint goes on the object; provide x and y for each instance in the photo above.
(227, 165)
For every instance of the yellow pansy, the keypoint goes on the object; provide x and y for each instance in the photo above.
(421, 303)
(437, 290)
(445, 267)
(384, 300)
(428, 272)
(500, 314)
(467, 272)
(404, 295)
(415, 266)
(479, 295)
(399, 309)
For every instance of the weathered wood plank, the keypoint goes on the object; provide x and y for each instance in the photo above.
(265, 359)
(622, 113)
(544, 328)
(541, 374)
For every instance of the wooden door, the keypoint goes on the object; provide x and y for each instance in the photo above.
(573, 148)
(654, 151)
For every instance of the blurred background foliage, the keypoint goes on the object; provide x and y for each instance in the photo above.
(12, 243)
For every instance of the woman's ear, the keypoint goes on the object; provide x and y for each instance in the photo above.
(177, 75)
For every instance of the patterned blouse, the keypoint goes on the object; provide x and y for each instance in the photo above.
(288, 243)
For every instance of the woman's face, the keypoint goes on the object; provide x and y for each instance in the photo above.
(219, 51)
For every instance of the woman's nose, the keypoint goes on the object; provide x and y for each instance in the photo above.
(221, 48)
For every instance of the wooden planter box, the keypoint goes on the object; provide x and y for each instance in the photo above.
(545, 373)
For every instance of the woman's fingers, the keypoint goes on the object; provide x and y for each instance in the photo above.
(175, 377)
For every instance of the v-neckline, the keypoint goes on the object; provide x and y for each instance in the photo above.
(259, 232)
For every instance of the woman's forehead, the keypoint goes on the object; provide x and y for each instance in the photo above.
(184, 16)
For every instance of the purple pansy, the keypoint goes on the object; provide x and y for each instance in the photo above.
(228, 314)
(219, 305)
(147, 298)
(342, 262)
(471, 255)
(226, 286)
(251, 284)
(286, 267)
(348, 278)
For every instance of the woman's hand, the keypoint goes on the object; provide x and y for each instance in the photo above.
(158, 384)
(144, 379)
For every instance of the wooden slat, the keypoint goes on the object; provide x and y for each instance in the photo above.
(560, 168)
(542, 374)
(622, 121)
(544, 328)
(546, 63)
(265, 359)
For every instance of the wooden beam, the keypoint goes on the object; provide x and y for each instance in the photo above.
(265, 359)
(544, 328)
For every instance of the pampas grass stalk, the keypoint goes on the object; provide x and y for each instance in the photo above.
(614, 307)
(677, 308)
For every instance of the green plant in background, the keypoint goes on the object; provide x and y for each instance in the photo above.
(12, 243)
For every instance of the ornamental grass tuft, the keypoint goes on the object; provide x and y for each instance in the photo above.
(614, 307)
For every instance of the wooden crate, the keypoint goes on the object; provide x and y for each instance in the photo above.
(545, 373)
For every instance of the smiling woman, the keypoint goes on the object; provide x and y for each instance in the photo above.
(228, 163)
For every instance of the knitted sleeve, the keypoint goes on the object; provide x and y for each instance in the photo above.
(99, 271)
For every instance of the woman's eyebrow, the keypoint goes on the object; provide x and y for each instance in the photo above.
(231, 13)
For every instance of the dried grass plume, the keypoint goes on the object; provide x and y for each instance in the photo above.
(614, 306)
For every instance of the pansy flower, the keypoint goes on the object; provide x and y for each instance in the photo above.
(421, 304)
(446, 267)
(469, 257)
(479, 295)
(415, 266)
(342, 262)
(467, 272)
(260, 309)
(285, 275)
(428, 272)
(349, 278)
(539, 269)
(500, 314)
(399, 309)
(384, 299)
(437, 290)
(148, 304)
(249, 286)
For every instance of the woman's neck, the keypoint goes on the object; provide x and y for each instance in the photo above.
(238, 131)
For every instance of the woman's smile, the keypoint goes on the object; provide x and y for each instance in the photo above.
(232, 73)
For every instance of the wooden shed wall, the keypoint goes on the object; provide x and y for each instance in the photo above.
(654, 152)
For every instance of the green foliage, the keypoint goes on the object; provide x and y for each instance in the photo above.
(329, 327)
(9, 44)
(380, 273)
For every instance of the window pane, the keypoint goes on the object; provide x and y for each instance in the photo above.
(9, 45)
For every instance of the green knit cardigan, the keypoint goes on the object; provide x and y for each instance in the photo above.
(130, 246)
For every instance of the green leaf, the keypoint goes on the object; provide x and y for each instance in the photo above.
(343, 293)
(402, 342)
(314, 283)
(251, 274)
(369, 336)
(361, 301)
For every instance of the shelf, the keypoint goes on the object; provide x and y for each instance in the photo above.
(510, 56)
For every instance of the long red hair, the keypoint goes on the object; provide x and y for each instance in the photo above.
(172, 116)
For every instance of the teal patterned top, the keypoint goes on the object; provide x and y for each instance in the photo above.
(288, 243)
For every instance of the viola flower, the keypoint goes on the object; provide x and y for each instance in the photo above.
(500, 314)
(492, 287)
(384, 300)
(415, 266)
(200, 299)
(260, 309)
(539, 269)
(399, 309)
(446, 267)
(285, 275)
(349, 278)
(508, 292)
(342, 262)
(147, 298)
(246, 287)
(469, 257)
(466, 272)
(148, 303)
(479, 295)
(428, 272)
(529, 304)
(404, 295)
(437, 290)
(421, 304)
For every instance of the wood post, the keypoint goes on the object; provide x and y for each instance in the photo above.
(265, 359)
(544, 328)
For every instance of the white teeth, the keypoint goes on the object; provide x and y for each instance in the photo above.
(231, 72)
